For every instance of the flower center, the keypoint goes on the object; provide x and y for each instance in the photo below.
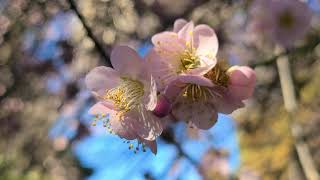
(127, 95)
(286, 20)
(196, 92)
(189, 59)
(218, 74)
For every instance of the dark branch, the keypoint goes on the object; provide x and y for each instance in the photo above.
(98, 46)
(293, 52)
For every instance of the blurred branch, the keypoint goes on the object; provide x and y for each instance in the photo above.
(184, 154)
(168, 136)
(309, 47)
(291, 104)
(98, 46)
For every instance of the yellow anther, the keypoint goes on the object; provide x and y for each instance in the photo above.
(189, 59)
(130, 146)
(126, 96)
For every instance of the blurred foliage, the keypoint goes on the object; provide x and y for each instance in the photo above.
(29, 107)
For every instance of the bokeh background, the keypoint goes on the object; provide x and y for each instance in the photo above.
(47, 47)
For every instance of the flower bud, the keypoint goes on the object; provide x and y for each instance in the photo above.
(163, 107)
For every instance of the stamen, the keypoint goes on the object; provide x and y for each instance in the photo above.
(196, 92)
(137, 147)
(218, 74)
(189, 59)
(126, 96)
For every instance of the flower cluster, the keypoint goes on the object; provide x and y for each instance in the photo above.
(284, 21)
(180, 79)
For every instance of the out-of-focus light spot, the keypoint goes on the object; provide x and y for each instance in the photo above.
(60, 143)
(13, 105)
(109, 36)
(87, 43)
(5, 53)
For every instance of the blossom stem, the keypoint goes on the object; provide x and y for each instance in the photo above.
(89, 32)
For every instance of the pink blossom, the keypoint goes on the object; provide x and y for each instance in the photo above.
(285, 21)
(198, 99)
(187, 50)
(127, 95)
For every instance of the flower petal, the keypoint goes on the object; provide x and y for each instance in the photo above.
(99, 108)
(151, 144)
(224, 102)
(121, 128)
(168, 43)
(102, 78)
(242, 81)
(202, 114)
(175, 87)
(179, 24)
(206, 65)
(193, 79)
(146, 125)
(127, 62)
(205, 41)
(173, 90)
(162, 70)
(150, 96)
(186, 33)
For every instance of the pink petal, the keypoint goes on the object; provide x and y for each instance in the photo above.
(127, 62)
(224, 102)
(178, 25)
(206, 41)
(162, 70)
(202, 114)
(151, 144)
(175, 87)
(173, 90)
(102, 78)
(121, 128)
(206, 65)
(186, 33)
(242, 82)
(150, 95)
(168, 43)
(146, 125)
(193, 79)
(99, 108)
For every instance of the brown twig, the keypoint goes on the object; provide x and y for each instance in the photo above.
(98, 46)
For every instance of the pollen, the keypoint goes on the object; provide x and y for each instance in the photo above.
(105, 121)
(126, 96)
(136, 148)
